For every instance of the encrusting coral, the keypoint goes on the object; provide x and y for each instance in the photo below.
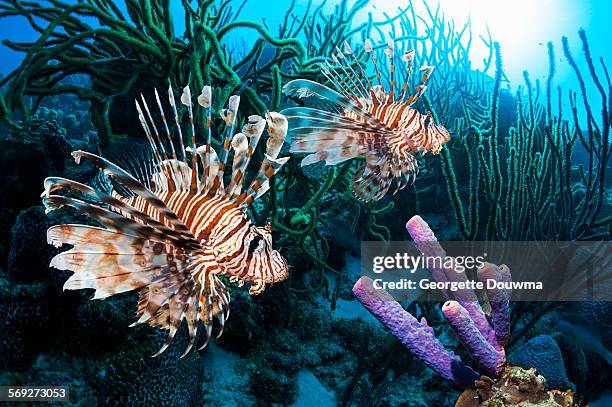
(501, 384)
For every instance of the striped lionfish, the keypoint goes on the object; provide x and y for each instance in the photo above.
(364, 120)
(171, 227)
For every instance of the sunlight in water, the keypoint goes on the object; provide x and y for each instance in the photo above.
(523, 27)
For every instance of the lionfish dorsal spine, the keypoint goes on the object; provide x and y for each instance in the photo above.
(166, 127)
(205, 100)
(229, 117)
(370, 50)
(330, 73)
(261, 183)
(157, 158)
(354, 77)
(128, 181)
(244, 144)
(159, 152)
(352, 89)
(172, 102)
(194, 179)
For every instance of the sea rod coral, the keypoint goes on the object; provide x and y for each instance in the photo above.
(485, 341)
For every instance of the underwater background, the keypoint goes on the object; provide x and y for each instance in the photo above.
(522, 87)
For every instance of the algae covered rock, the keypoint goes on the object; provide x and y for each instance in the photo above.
(23, 167)
(103, 325)
(515, 387)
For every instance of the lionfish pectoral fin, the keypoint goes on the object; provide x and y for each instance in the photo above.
(208, 328)
(214, 304)
(191, 317)
(331, 137)
(177, 306)
(258, 287)
(108, 262)
(303, 89)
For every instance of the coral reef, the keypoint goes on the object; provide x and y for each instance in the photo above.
(27, 259)
(533, 193)
(26, 317)
(131, 377)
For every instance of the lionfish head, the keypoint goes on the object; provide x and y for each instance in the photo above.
(438, 135)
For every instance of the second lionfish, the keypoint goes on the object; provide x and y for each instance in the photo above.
(362, 119)
(171, 227)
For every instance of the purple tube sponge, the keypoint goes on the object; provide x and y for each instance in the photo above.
(499, 300)
(463, 313)
(427, 243)
(418, 338)
(491, 360)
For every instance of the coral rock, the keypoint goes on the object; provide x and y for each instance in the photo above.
(515, 387)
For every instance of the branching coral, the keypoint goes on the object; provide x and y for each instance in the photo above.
(120, 53)
(514, 154)
(525, 173)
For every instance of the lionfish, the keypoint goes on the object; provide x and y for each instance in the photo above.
(361, 119)
(171, 227)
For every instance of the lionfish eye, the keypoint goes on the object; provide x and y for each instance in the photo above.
(254, 243)
(427, 120)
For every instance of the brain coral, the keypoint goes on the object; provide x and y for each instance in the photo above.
(25, 319)
(29, 254)
(132, 377)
